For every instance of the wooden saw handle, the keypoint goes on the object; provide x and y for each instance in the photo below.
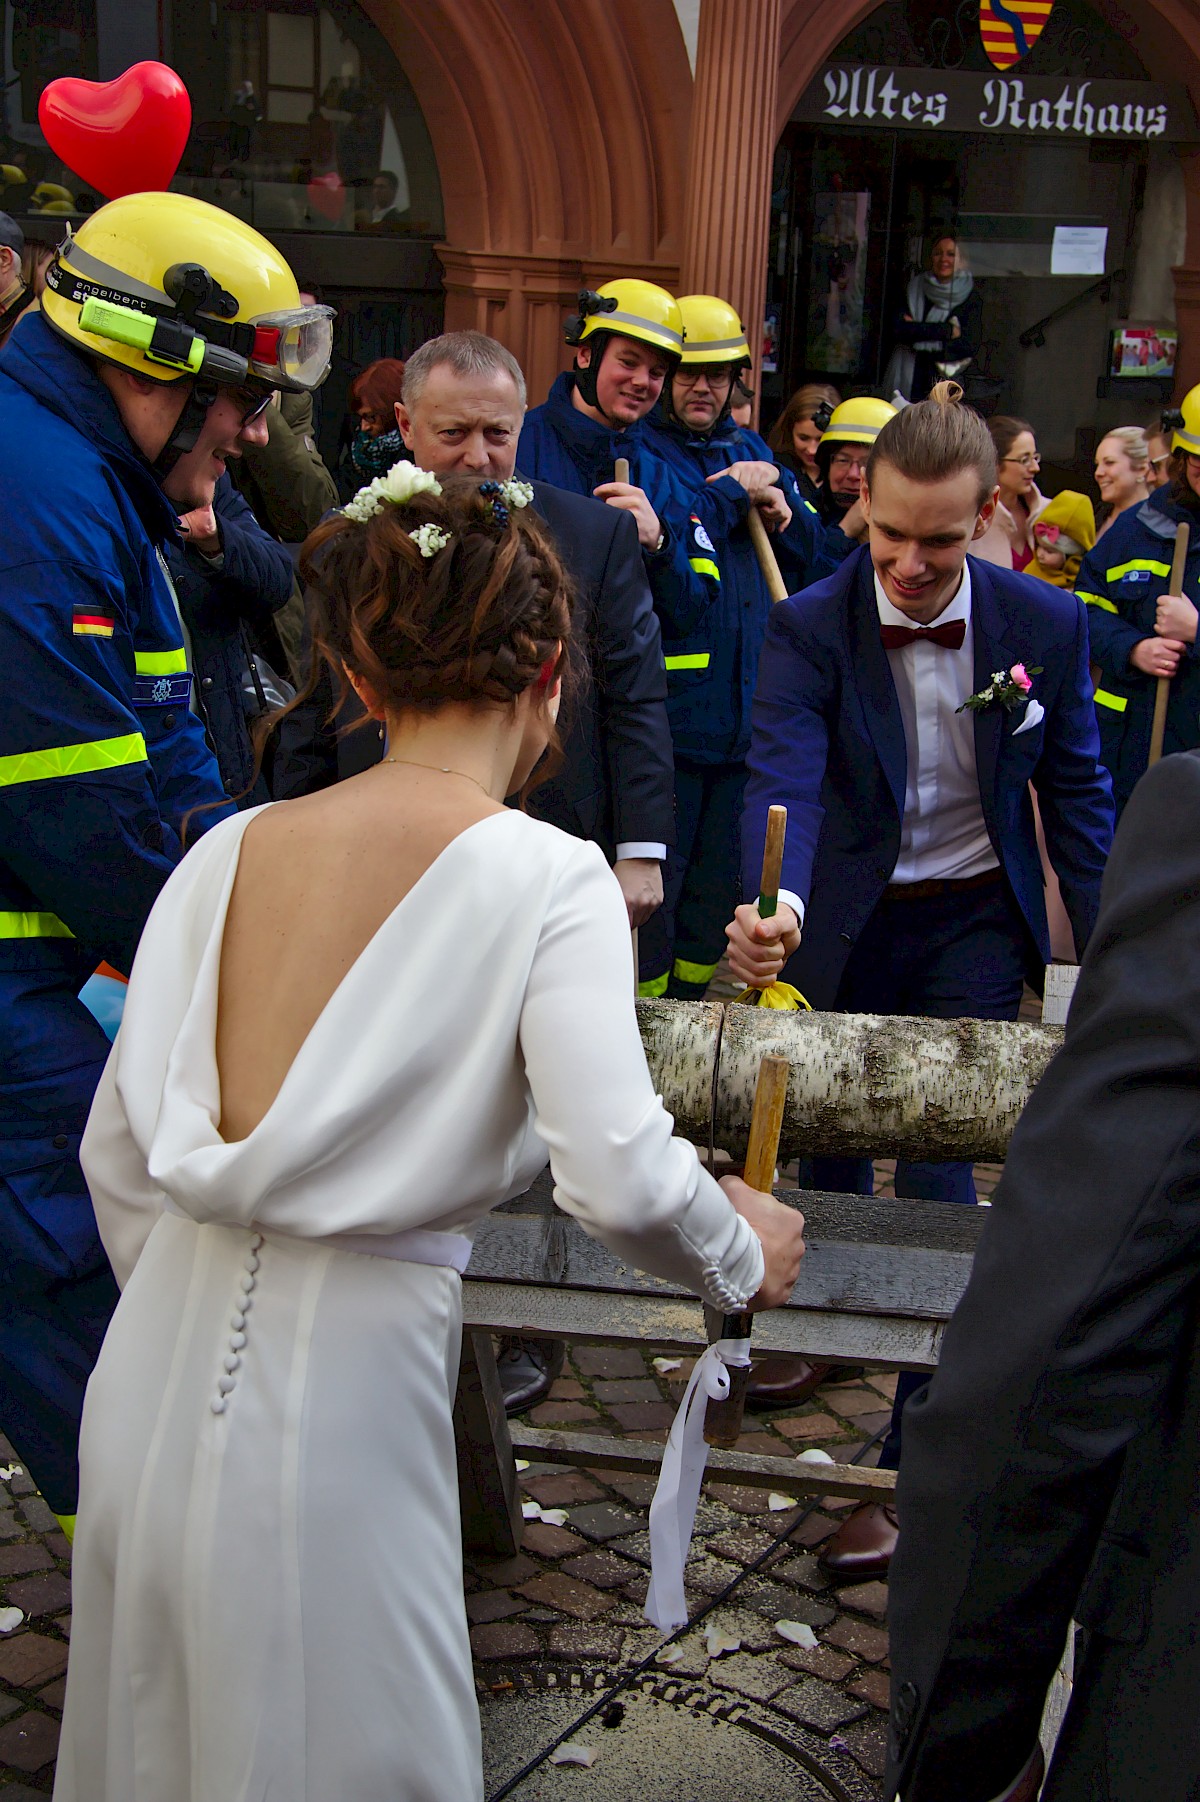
(1163, 692)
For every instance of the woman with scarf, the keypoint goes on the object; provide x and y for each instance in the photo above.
(941, 328)
(376, 444)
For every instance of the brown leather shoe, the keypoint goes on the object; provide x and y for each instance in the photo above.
(784, 1382)
(863, 1544)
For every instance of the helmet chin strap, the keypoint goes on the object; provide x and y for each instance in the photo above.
(187, 430)
(587, 375)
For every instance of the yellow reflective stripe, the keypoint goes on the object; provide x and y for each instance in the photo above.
(33, 926)
(72, 760)
(1118, 703)
(1095, 600)
(704, 566)
(161, 663)
(67, 1523)
(654, 985)
(686, 972)
(689, 660)
(1123, 569)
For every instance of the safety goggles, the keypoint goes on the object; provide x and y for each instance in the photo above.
(293, 349)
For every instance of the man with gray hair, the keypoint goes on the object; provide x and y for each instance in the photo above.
(464, 401)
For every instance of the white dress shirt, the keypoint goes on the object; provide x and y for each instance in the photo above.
(943, 833)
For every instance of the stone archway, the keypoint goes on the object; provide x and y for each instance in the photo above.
(562, 152)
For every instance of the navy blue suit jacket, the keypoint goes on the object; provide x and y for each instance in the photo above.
(827, 741)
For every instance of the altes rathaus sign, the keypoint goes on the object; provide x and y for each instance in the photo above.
(936, 100)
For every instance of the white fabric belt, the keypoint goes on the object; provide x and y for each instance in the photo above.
(673, 1510)
(451, 1251)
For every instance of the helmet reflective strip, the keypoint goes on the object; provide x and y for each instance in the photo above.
(87, 265)
(738, 343)
(1188, 438)
(603, 321)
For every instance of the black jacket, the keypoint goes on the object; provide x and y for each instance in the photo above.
(616, 783)
(250, 581)
(1051, 1469)
(964, 348)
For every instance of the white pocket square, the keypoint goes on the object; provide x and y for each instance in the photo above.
(1035, 713)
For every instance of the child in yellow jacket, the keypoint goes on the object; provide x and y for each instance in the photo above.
(1064, 531)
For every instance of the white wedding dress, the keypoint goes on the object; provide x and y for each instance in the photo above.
(268, 1599)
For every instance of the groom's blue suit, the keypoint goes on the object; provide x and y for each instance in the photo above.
(828, 742)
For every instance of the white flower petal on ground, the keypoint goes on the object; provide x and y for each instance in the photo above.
(665, 1366)
(9, 1472)
(798, 1632)
(574, 1754)
(521, 1463)
(554, 1517)
(668, 1654)
(814, 1455)
(531, 1511)
(10, 1619)
(718, 1642)
(778, 1504)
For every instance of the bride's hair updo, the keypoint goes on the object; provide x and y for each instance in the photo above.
(451, 596)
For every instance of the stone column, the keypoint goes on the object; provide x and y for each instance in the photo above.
(730, 153)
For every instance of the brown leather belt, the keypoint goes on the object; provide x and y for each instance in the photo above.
(939, 885)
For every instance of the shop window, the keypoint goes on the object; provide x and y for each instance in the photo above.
(302, 118)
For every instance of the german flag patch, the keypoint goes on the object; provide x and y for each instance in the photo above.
(92, 622)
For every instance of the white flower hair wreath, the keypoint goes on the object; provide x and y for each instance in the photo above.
(400, 485)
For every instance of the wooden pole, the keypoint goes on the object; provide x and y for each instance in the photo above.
(1163, 691)
(776, 586)
(723, 1419)
(621, 469)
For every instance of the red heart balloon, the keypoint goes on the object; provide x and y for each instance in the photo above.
(327, 194)
(124, 136)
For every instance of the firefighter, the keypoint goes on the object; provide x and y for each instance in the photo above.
(165, 326)
(1138, 631)
(712, 668)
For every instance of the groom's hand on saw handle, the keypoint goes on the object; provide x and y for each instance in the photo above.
(758, 948)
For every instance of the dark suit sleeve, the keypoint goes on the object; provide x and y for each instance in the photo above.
(1070, 1339)
(1075, 791)
(789, 746)
(631, 686)
(256, 574)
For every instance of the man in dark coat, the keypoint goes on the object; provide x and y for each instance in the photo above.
(1051, 1468)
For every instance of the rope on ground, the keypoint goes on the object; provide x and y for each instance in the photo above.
(644, 1664)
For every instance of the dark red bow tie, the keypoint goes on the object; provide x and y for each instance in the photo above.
(951, 635)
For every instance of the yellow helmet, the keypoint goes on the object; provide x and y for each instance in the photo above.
(1186, 436)
(712, 331)
(52, 197)
(171, 287)
(630, 309)
(858, 421)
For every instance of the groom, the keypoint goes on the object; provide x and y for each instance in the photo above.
(903, 708)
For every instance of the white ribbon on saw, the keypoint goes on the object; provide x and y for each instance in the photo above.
(673, 1510)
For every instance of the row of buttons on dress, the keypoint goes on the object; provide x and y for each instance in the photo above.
(248, 1282)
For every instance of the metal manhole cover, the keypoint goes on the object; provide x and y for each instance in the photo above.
(662, 1750)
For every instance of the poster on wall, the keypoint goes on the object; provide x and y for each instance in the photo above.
(836, 325)
(770, 341)
(1143, 350)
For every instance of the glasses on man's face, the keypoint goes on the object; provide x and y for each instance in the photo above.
(847, 460)
(251, 403)
(1030, 460)
(716, 378)
(1193, 464)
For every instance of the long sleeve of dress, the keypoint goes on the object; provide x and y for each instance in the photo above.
(616, 1168)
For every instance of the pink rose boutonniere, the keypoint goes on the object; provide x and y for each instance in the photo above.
(1007, 689)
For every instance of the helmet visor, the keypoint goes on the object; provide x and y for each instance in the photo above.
(293, 349)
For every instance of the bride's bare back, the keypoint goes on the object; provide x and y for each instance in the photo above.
(316, 879)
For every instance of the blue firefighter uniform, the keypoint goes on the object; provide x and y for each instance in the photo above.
(569, 449)
(100, 759)
(711, 674)
(1120, 581)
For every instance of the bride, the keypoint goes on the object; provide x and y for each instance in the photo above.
(356, 1023)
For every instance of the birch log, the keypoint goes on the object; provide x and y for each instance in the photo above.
(866, 1084)
(861, 1084)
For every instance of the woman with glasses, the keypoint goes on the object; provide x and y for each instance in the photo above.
(1122, 471)
(1010, 540)
(1139, 633)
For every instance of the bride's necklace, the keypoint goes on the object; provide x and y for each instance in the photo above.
(440, 769)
